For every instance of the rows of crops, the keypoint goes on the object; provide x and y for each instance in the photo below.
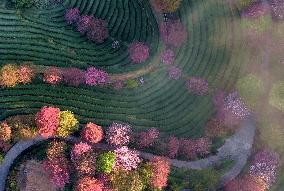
(44, 38)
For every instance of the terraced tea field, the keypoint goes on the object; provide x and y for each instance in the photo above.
(44, 38)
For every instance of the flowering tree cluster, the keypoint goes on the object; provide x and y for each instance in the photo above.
(265, 165)
(88, 184)
(95, 28)
(173, 33)
(118, 134)
(147, 138)
(92, 133)
(167, 57)
(68, 124)
(57, 165)
(52, 76)
(277, 9)
(197, 85)
(47, 121)
(73, 76)
(191, 148)
(126, 158)
(166, 6)
(230, 109)
(79, 150)
(246, 183)
(84, 159)
(138, 52)
(96, 77)
(51, 121)
(174, 73)
(106, 162)
(11, 75)
(5, 132)
(173, 147)
(255, 10)
(161, 169)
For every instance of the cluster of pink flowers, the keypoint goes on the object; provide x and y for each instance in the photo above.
(147, 138)
(265, 165)
(256, 10)
(52, 75)
(167, 56)
(191, 148)
(47, 120)
(59, 172)
(96, 29)
(173, 147)
(118, 134)
(277, 9)
(72, 15)
(173, 33)
(197, 86)
(126, 158)
(161, 169)
(234, 104)
(96, 77)
(73, 76)
(92, 133)
(174, 73)
(89, 184)
(26, 74)
(118, 85)
(80, 149)
(139, 52)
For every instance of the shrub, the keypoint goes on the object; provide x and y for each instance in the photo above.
(92, 133)
(59, 171)
(250, 88)
(276, 96)
(105, 162)
(5, 132)
(79, 150)
(126, 158)
(126, 180)
(72, 15)
(25, 133)
(56, 150)
(265, 165)
(166, 6)
(47, 121)
(214, 128)
(84, 23)
(160, 169)
(247, 183)
(96, 77)
(86, 164)
(68, 124)
(167, 57)
(138, 52)
(4, 146)
(197, 86)
(277, 9)
(52, 76)
(98, 31)
(73, 76)
(9, 75)
(131, 83)
(26, 74)
(88, 184)
(234, 104)
(118, 134)
(147, 138)
(173, 33)
(255, 10)
(174, 73)
(173, 147)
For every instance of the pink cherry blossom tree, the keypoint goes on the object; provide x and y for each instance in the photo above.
(139, 52)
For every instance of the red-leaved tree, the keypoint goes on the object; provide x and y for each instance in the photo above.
(92, 133)
(160, 169)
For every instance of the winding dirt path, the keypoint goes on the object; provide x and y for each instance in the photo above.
(238, 148)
